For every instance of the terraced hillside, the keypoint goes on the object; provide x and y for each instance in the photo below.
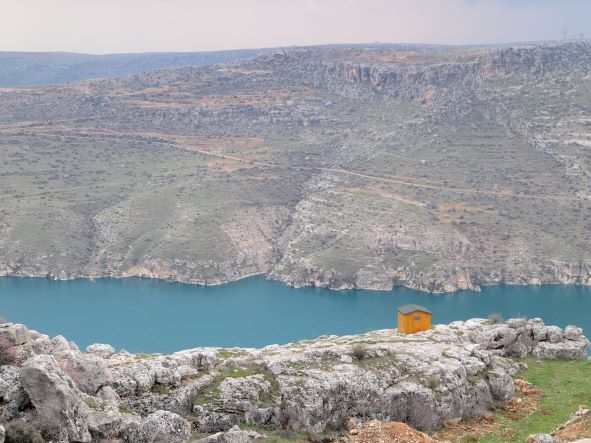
(436, 168)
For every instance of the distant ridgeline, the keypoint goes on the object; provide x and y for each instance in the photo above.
(47, 68)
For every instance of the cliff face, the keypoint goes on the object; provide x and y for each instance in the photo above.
(452, 371)
(435, 168)
(462, 74)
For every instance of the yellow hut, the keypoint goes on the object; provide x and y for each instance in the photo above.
(413, 318)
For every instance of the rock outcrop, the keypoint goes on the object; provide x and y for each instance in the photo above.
(59, 409)
(449, 372)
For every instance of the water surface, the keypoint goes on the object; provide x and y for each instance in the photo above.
(143, 315)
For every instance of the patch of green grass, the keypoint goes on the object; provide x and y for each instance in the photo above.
(566, 385)
(126, 410)
(91, 402)
(211, 392)
(142, 356)
(160, 389)
(226, 353)
(273, 435)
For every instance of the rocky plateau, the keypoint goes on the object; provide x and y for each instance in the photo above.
(52, 391)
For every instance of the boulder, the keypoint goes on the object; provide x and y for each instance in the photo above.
(496, 337)
(19, 400)
(516, 323)
(41, 344)
(212, 421)
(100, 350)
(518, 350)
(540, 331)
(501, 384)
(413, 404)
(346, 358)
(133, 378)
(9, 378)
(14, 343)
(59, 346)
(89, 372)
(160, 426)
(572, 333)
(233, 435)
(13, 335)
(554, 334)
(109, 395)
(250, 388)
(566, 350)
(541, 438)
(104, 419)
(61, 413)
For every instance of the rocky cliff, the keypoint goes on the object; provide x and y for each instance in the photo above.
(53, 391)
(437, 168)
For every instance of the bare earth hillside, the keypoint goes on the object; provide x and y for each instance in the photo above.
(364, 166)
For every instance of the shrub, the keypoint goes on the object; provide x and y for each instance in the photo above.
(18, 431)
(160, 389)
(433, 382)
(359, 351)
(495, 318)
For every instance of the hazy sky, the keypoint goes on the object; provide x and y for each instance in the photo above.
(101, 26)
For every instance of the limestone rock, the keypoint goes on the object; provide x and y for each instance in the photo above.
(568, 350)
(13, 335)
(108, 395)
(541, 438)
(161, 426)
(233, 435)
(61, 413)
(572, 333)
(554, 334)
(539, 330)
(516, 323)
(19, 400)
(89, 372)
(59, 346)
(9, 378)
(449, 372)
(497, 337)
(346, 358)
(101, 350)
(104, 419)
(501, 384)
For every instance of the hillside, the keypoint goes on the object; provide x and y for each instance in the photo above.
(364, 166)
(47, 68)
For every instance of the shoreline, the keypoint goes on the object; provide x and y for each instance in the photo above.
(190, 282)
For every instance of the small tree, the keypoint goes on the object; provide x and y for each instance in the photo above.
(359, 351)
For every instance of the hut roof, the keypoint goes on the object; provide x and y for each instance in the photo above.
(407, 309)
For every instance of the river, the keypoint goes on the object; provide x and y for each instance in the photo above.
(143, 315)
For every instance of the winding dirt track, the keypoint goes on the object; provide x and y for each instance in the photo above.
(31, 127)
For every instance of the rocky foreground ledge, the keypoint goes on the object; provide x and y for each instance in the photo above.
(54, 392)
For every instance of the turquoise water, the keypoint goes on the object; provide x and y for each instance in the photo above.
(143, 315)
